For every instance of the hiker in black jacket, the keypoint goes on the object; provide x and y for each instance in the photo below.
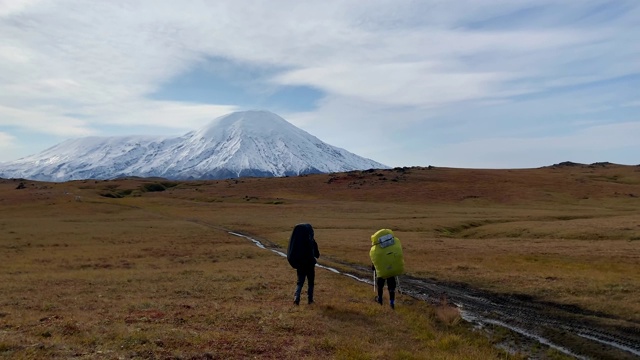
(302, 254)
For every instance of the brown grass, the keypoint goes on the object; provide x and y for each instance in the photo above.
(447, 313)
(150, 275)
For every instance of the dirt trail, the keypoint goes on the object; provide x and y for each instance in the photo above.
(574, 331)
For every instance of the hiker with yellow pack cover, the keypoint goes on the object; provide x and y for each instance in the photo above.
(388, 262)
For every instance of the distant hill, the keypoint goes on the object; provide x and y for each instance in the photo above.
(573, 164)
(241, 144)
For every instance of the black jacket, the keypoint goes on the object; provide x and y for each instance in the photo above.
(303, 250)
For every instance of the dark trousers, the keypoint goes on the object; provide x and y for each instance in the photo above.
(391, 284)
(307, 273)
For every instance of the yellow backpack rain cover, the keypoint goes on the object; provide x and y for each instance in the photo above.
(386, 254)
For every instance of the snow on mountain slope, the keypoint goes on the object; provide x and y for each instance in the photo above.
(248, 143)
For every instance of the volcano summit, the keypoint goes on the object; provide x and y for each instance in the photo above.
(240, 144)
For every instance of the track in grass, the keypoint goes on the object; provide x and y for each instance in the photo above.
(574, 331)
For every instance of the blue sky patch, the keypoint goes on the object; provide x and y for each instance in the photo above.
(222, 82)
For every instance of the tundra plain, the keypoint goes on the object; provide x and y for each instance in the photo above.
(147, 268)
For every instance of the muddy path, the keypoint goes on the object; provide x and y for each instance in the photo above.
(569, 329)
(577, 332)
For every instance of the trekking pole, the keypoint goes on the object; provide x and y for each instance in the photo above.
(374, 282)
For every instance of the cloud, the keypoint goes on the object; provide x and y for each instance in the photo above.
(369, 129)
(169, 114)
(609, 142)
(411, 84)
(383, 67)
(322, 44)
(8, 146)
(6, 140)
(43, 121)
(13, 7)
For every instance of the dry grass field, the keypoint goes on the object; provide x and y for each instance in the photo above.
(144, 268)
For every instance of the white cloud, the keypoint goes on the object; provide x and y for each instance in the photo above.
(70, 67)
(7, 147)
(12, 7)
(413, 84)
(169, 114)
(368, 129)
(43, 121)
(610, 142)
(103, 53)
(6, 140)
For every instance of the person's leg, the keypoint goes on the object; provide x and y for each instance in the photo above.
(391, 284)
(311, 275)
(301, 276)
(380, 288)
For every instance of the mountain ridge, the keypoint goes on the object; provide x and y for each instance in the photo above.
(240, 144)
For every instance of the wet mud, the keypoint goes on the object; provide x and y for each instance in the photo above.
(574, 331)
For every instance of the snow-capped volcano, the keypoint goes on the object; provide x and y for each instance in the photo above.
(248, 143)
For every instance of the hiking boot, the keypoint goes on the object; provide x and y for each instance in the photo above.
(296, 300)
(378, 300)
(392, 304)
(310, 294)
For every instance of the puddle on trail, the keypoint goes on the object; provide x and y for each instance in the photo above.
(481, 321)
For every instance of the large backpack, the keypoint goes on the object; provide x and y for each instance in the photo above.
(386, 254)
(300, 252)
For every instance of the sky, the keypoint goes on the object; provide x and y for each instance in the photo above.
(455, 83)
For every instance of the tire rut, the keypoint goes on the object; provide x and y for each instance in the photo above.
(574, 331)
(577, 332)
